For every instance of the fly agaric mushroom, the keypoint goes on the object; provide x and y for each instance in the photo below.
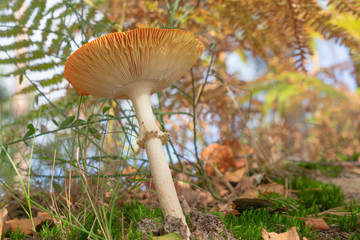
(133, 65)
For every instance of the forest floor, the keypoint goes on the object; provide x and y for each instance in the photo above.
(348, 180)
(320, 202)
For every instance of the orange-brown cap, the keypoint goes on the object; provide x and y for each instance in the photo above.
(110, 65)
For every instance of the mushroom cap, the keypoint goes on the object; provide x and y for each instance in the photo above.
(111, 65)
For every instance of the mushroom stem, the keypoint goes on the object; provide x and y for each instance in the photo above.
(152, 139)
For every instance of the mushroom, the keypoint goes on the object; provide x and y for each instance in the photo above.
(133, 65)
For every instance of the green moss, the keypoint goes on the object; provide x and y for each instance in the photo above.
(312, 197)
(348, 158)
(48, 232)
(248, 224)
(316, 195)
(123, 219)
(330, 171)
(349, 223)
(14, 235)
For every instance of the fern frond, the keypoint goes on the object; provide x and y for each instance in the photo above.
(25, 16)
(17, 5)
(57, 24)
(47, 28)
(15, 32)
(323, 25)
(54, 8)
(41, 67)
(17, 45)
(6, 18)
(346, 6)
(39, 15)
(25, 90)
(57, 78)
(301, 48)
(24, 57)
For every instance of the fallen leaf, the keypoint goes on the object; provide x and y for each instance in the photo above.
(227, 208)
(272, 188)
(317, 224)
(235, 176)
(25, 225)
(3, 215)
(250, 193)
(246, 188)
(289, 235)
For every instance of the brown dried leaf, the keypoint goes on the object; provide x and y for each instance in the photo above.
(227, 208)
(272, 188)
(289, 235)
(219, 156)
(25, 225)
(235, 176)
(3, 215)
(317, 223)
(246, 188)
(250, 193)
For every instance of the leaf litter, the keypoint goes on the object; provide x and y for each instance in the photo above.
(205, 225)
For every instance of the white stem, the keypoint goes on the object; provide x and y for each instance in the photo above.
(140, 97)
(151, 135)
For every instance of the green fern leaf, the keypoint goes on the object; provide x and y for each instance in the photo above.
(11, 32)
(57, 78)
(39, 15)
(41, 67)
(17, 45)
(25, 16)
(45, 31)
(28, 89)
(7, 18)
(17, 5)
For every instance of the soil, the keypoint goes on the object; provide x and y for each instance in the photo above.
(348, 180)
(203, 226)
(333, 234)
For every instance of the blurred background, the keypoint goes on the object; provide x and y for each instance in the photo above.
(278, 81)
